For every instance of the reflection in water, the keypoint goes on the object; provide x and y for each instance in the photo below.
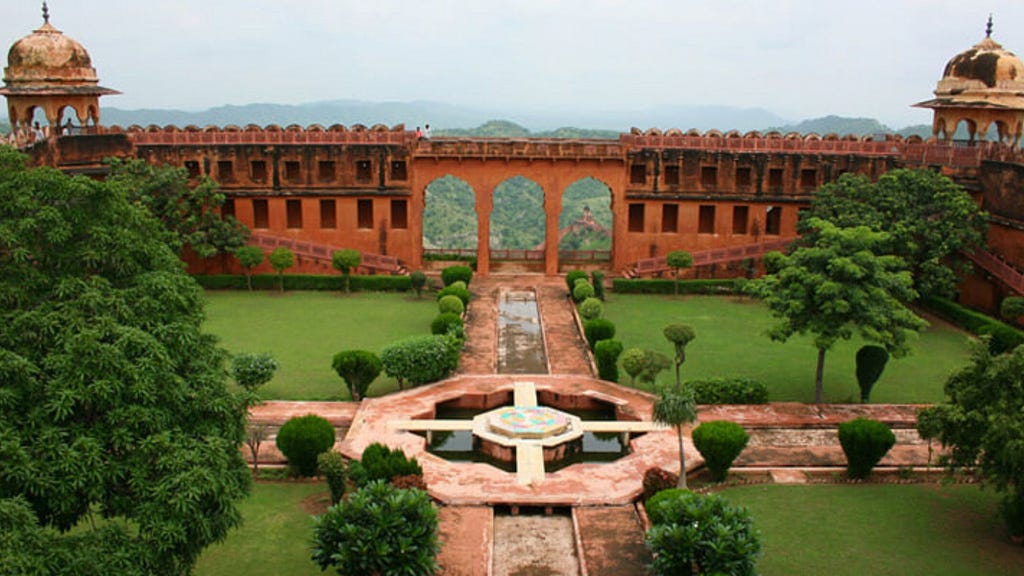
(520, 342)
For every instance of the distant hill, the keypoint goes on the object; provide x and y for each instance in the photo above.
(836, 124)
(508, 129)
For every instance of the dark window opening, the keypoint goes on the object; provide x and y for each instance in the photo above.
(743, 176)
(669, 217)
(636, 217)
(365, 213)
(808, 179)
(328, 214)
(364, 172)
(398, 171)
(260, 214)
(193, 168)
(226, 170)
(671, 175)
(325, 171)
(294, 209)
(399, 214)
(706, 222)
(740, 215)
(773, 221)
(709, 176)
(775, 178)
(638, 174)
(227, 208)
(259, 170)
(291, 171)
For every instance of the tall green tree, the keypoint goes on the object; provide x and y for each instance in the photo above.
(677, 408)
(345, 261)
(249, 257)
(113, 402)
(190, 213)
(838, 285)
(982, 425)
(929, 219)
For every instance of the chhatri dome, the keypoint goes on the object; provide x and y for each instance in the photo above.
(981, 87)
(49, 70)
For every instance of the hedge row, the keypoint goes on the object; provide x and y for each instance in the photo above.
(1004, 336)
(306, 282)
(667, 286)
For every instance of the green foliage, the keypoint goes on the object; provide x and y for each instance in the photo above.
(591, 308)
(302, 439)
(307, 282)
(1002, 337)
(719, 442)
(597, 279)
(644, 365)
(190, 215)
(518, 217)
(606, 353)
(836, 286)
(678, 259)
(598, 329)
(633, 363)
(281, 259)
(657, 480)
(1012, 511)
(358, 368)
(455, 290)
(380, 463)
(864, 442)
(447, 323)
(418, 280)
(380, 529)
(253, 369)
(927, 220)
(677, 408)
(701, 534)
(662, 286)
(582, 291)
(421, 359)
(332, 466)
(453, 274)
(871, 361)
(679, 335)
(1012, 307)
(111, 396)
(345, 261)
(572, 276)
(449, 215)
(249, 257)
(451, 304)
(728, 391)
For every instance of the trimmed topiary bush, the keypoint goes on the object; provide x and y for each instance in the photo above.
(302, 439)
(418, 280)
(643, 366)
(606, 354)
(597, 279)
(380, 529)
(253, 369)
(332, 465)
(582, 291)
(421, 359)
(445, 323)
(719, 442)
(591, 308)
(1003, 337)
(379, 462)
(728, 391)
(598, 329)
(1012, 307)
(864, 442)
(451, 304)
(456, 273)
(871, 362)
(358, 368)
(459, 291)
(657, 480)
(572, 276)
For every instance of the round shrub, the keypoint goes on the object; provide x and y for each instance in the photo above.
(445, 323)
(606, 353)
(420, 359)
(332, 465)
(302, 439)
(572, 276)
(728, 391)
(591, 308)
(458, 284)
(252, 370)
(864, 442)
(458, 291)
(719, 442)
(455, 273)
(598, 329)
(582, 291)
(658, 479)
(358, 368)
(451, 304)
(379, 462)
(380, 529)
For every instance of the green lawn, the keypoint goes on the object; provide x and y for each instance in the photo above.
(731, 341)
(879, 530)
(274, 538)
(304, 330)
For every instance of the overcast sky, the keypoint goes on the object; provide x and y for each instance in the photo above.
(797, 58)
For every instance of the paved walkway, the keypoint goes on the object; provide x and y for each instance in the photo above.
(612, 539)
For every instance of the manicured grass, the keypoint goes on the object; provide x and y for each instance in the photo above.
(274, 538)
(880, 530)
(731, 341)
(304, 330)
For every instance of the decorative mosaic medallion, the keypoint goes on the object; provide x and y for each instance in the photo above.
(528, 421)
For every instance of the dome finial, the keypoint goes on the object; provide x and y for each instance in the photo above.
(46, 14)
(988, 27)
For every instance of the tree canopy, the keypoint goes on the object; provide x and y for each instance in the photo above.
(928, 217)
(836, 285)
(112, 400)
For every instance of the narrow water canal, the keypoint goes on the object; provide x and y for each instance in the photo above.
(520, 338)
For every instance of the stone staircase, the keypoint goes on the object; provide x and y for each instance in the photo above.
(659, 264)
(1000, 269)
(375, 263)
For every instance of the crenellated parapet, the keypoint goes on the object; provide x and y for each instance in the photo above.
(521, 148)
(272, 134)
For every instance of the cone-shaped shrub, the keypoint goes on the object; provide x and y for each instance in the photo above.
(864, 442)
(719, 442)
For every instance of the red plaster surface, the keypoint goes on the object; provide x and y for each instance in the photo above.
(466, 540)
(613, 540)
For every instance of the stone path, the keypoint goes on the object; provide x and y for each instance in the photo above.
(466, 540)
(612, 539)
(535, 545)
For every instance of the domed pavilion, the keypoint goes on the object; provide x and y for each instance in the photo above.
(980, 87)
(51, 71)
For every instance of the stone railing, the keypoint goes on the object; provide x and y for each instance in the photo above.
(252, 134)
(518, 148)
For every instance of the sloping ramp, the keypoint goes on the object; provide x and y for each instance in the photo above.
(612, 539)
